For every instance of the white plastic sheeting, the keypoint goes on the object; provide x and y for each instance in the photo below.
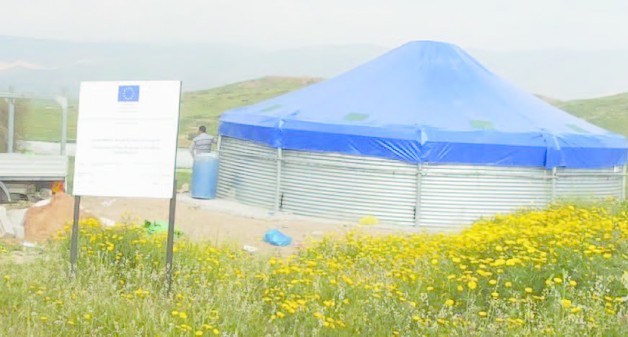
(338, 186)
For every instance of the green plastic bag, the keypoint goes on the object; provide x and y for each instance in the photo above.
(159, 226)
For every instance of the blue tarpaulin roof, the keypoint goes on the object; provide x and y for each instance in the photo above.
(426, 102)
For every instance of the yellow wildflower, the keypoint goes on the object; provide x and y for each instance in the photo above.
(566, 303)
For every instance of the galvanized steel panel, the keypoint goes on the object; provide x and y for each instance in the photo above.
(337, 186)
(589, 184)
(247, 172)
(18, 166)
(329, 185)
(452, 196)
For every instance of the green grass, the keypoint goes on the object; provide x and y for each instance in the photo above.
(183, 176)
(41, 120)
(609, 112)
(556, 272)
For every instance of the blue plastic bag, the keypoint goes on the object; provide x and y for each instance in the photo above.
(277, 238)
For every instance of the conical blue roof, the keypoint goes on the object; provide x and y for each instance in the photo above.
(426, 102)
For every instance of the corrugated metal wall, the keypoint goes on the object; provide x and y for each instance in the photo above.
(247, 172)
(452, 195)
(337, 186)
(589, 184)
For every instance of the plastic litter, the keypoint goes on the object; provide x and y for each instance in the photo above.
(277, 238)
(249, 249)
(107, 222)
(108, 203)
(153, 227)
(42, 203)
(28, 244)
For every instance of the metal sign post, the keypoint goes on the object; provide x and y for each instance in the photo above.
(170, 242)
(75, 232)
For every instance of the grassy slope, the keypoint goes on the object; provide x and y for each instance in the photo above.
(609, 112)
(41, 120)
(205, 107)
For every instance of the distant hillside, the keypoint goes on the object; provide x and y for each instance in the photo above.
(41, 120)
(204, 107)
(609, 112)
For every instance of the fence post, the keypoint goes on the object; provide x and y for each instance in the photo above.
(63, 102)
(11, 126)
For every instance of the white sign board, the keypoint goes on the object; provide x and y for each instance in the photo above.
(126, 139)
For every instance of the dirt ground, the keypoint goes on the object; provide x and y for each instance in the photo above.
(218, 221)
(222, 222)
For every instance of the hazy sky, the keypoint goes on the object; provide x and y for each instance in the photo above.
(485, 24)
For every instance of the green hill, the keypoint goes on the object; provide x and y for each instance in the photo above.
(609, 112)
(42, 120)
(204, 107)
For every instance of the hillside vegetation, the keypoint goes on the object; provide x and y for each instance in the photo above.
(42, 119)
(204, 107)
(609, 112)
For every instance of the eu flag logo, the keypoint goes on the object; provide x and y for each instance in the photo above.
(128, 93)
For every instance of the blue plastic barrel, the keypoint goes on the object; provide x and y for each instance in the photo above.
(204, 176)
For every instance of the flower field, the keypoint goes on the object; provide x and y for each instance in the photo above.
(562, 271)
